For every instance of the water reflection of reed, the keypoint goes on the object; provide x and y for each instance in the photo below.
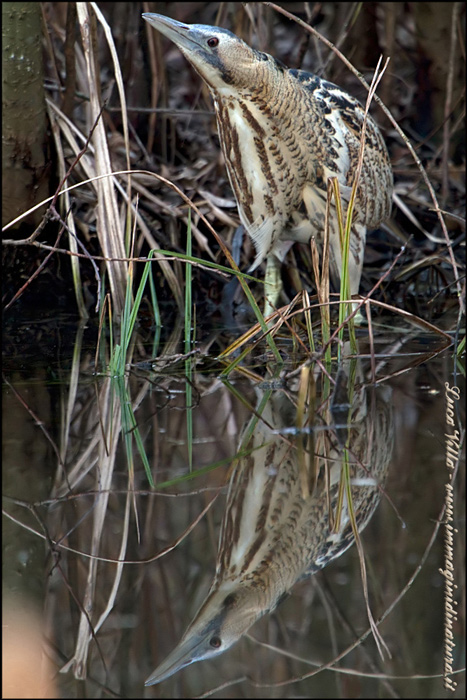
(115, 620)
(281, 525)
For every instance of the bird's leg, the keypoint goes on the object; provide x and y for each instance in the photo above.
(272, 284)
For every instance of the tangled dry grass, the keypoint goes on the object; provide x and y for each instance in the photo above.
(148, 112)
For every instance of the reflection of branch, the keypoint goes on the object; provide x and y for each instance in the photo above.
(59, 545)
(340, 669)
(36, 419)
(53, 546)
(172, 546)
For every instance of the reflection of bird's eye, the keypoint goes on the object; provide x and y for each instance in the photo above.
(212, 42)
(215, 642)
(229, 600)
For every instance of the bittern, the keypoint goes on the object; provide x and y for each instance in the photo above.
(273, 534)
(283, 134)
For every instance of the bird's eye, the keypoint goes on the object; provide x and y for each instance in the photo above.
(215, 642)
(212, 42)
(229, 600)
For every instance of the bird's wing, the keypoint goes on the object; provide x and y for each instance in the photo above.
(331, 95)
(345, 114)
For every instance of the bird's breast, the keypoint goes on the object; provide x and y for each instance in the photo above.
(269, 166)
(280, 151)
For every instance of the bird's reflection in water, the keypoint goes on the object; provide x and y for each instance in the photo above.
(279, 528)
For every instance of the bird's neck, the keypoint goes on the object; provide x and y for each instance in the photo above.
(264, 90)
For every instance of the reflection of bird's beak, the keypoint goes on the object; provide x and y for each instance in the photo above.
(188, 650)
(183, 35)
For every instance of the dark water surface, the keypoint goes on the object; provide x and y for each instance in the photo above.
(63, 452)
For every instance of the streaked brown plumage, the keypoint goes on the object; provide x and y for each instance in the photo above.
(283, 134)
(272, 534)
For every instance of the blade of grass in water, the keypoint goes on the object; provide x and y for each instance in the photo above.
(156, 312)
(118, 361)
(130, 429)
(129, 316)
(188, 344)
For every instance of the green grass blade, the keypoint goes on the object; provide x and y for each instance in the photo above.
(188, 346)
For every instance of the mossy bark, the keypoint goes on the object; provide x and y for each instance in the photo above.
(24, 162)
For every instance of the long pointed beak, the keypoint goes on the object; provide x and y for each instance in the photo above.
(183, 35)
(187, 652)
